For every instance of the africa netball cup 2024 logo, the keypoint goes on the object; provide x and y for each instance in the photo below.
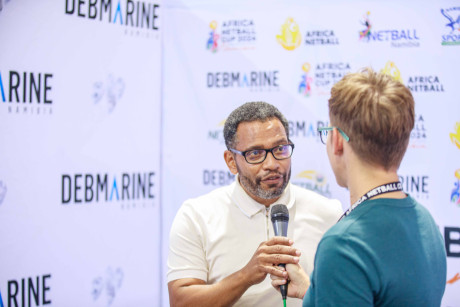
(455, 195)
(212, 43)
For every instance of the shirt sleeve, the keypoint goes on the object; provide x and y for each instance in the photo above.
(186, 257)
(344, 274)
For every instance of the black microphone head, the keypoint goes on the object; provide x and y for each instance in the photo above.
(279, 213)
(280, 220)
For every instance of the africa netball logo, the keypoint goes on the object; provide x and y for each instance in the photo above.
(213, 37)
(455, 137)
(290, 36)
(393, 71)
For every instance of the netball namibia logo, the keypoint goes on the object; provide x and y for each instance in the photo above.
(290, 36)
(364, 34)
(455, 137)
(213, 37)
(305, 84)
(393, 71)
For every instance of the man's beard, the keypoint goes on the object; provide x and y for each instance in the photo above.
(254, 187)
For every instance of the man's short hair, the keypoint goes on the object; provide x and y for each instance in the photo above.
(248, 112)
(377, 113)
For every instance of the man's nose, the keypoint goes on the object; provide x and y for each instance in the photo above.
(270, 162)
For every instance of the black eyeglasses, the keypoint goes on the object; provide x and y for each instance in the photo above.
(256, 156)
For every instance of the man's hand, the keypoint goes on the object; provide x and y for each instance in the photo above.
(266, 258)
(195, 292)
(298, 280)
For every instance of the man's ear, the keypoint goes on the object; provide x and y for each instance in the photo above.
(337, 142)
(231, 163)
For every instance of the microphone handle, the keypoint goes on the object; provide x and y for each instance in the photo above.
(284, 288)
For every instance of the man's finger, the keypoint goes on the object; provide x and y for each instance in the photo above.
(280, 241)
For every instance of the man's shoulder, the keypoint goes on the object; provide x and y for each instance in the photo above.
(213, 198)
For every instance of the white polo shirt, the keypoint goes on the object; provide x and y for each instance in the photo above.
(216, 234)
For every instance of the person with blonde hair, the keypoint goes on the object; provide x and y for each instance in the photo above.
(386, 249)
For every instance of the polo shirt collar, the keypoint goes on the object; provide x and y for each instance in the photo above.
(250, 207)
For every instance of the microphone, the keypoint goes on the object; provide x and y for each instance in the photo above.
(280, 220)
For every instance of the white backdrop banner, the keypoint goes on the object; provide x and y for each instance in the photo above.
(112, 113)
(80, 112)
(221, 55)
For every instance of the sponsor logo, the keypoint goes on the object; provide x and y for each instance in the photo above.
(290, 36)
(314, 181)
(137, 17)
(305, 83)
(29, 291)
(452, 241)
(321, 80)
(130, 190)
(392, 70)
(107, 285)
(452, 24)
(252, 80)
(26, 92)
(454, 279)
(3, 190)
(306, 129)
(212, 43)
(217, 177)
(418, 134)
(397, 38)
(108, 93)
(455, 136)
(416, 185)
(425, 84)
(234, 35)
(218, 133)
(455, 195)
(321, 37)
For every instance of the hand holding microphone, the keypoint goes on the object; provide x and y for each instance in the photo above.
(280, 221)
(299, 279)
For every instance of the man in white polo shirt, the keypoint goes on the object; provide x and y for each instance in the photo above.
(222, 244)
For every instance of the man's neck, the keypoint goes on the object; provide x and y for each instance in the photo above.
(365, 177)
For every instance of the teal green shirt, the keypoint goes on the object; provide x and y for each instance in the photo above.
(386, 252)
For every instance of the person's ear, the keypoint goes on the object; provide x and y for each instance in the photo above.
(230, 160)
(337, 142)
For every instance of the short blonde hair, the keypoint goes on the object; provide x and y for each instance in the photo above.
(377, 113)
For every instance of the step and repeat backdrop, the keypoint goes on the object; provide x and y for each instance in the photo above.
(112, 115)
(218, 55)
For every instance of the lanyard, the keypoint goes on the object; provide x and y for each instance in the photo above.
(382, 189)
